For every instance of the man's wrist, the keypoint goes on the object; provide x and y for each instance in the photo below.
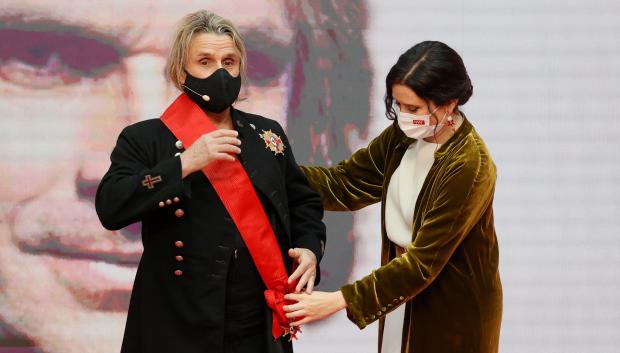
(185, 165)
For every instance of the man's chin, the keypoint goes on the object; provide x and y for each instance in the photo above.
(89, 335)
(96, 285)
(57, 326)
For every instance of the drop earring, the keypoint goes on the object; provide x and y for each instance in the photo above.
(451, 122)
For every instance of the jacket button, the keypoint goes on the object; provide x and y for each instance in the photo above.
(178, 244)
(179, 258)
(176, 199)
(178, 273)
(401, 297)
(177, 154)
(378, 313)
(162, 204)
(178, 144)
(383, 309)
(179, 213)
(372, 317)
(168, 202)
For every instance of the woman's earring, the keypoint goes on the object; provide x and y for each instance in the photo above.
(451, 122)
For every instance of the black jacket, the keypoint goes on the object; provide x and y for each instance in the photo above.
(178, 306)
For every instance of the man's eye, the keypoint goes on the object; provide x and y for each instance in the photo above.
(37, 59)
(263, 68)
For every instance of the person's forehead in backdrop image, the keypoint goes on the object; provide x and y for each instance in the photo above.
(71, 77)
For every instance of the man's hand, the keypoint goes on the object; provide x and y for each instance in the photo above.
(221, 144)
(306, 269)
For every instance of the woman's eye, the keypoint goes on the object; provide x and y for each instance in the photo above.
(411, 109)
(43, 60)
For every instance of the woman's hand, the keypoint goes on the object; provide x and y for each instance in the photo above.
(313, 307)
(306, 269)
(221, 144)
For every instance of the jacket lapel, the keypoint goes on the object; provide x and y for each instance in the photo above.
(262, 166)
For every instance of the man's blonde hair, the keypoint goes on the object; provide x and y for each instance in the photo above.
(195, 23)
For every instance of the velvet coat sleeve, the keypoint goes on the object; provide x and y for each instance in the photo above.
(463, 191)
(356, 182)
(122, 197)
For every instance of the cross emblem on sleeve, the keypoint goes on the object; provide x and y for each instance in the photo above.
(150, 182)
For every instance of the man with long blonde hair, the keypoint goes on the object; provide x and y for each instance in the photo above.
(226, 212)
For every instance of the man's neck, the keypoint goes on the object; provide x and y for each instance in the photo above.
(221, 120)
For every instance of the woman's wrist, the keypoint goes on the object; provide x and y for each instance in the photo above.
(341, 303)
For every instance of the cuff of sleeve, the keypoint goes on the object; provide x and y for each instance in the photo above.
(354, 312)
(173, 184)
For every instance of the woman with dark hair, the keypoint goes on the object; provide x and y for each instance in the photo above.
(438, 289)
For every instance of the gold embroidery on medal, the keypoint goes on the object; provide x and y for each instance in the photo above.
(273, 142)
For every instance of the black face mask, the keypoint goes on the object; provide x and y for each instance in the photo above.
(222, 89)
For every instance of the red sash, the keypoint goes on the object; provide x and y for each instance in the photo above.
(188, 122)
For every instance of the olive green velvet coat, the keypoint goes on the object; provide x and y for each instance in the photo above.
(448, 276)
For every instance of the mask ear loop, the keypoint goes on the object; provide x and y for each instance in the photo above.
(438, 122)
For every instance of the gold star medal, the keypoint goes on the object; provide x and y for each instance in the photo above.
(273, 142)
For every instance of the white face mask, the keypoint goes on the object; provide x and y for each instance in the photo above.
(417, 126)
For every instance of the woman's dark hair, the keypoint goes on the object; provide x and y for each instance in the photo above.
(434, 71)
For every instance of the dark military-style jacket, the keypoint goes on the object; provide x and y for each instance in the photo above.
(178, 298)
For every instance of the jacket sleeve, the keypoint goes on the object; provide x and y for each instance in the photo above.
(306, 211)
(132, 188)
(464, 194)
(356, 182)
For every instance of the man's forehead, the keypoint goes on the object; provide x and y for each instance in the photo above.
(209, 43)
(144, 25)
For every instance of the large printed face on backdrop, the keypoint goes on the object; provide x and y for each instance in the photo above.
(72, 75)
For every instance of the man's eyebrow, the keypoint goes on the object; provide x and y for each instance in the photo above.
(258, 41)
(20, 22)
(258, 35)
